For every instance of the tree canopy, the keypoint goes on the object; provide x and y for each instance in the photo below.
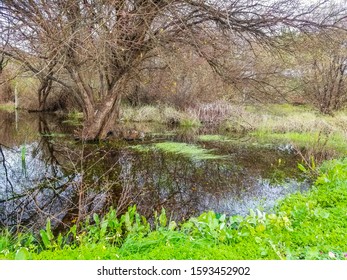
(94, 49)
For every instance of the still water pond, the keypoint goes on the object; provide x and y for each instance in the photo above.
(45, 173)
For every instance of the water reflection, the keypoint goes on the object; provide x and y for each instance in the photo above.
(187, 187)
(48, 176)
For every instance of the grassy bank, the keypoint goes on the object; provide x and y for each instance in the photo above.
(312, 225)
(318, 135)
(301, 126)
(307, 130)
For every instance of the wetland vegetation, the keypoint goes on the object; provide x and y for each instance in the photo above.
(173, 130)
(302, 226)
(174, 193)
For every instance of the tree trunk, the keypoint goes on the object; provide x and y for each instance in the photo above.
(43, 92)
(101, 122)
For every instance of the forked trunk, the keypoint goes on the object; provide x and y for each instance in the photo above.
(101, 122)
(44, 91)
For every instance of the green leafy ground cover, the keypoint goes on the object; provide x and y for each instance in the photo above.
(311, 225)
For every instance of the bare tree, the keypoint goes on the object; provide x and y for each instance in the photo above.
(325, 72)
(95, 48)
(5, 90)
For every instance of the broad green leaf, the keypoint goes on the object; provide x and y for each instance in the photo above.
(96, 218)
(172, 225)
(22, 254)
(163, 218)
(302, 168)
(49, 230)
(45, 238)
(260, 228)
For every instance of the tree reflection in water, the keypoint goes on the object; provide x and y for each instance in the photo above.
(45, 176)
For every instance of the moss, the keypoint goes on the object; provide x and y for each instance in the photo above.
(213, 138)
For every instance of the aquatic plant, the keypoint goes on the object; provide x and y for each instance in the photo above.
(183, 149)
(333, 144)
(189, 122)
(8, 107)
(74, 118)
(23, 160)
(213, 138)
(142, 148)
(188, 150)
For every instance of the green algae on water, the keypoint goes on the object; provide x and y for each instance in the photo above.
(188, 150)
(213, 138)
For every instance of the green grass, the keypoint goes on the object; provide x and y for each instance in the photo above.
(74, 118)
(146, 113)
(189, 121)
(309, 225)
(160, 114)
(8, 107)
(287, 109)
(213, 138)
(187, 150)
(335, 142)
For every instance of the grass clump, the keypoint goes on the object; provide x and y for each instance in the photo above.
(159, 114)
(74, 118)
(189, 121)
(148, 113)
(331, 143)
(7, 107)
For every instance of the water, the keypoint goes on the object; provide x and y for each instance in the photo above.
(45, 173)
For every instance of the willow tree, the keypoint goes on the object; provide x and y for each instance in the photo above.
(94, 48)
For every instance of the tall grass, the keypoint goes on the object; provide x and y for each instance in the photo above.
(160, 114)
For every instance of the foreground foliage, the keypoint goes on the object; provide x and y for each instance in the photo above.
(311, 225)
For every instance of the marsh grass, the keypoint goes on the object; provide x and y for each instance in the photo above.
(160, 114)
(281, 118)
(7, 107)
(214, 112)
(189, 122)
(331, 144)
(304, 128)
(300, 126)
(74, 118)
(187, 150)
(213, 138)
(147, 113)
(270, 118)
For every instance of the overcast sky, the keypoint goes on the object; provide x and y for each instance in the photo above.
(315, 1)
